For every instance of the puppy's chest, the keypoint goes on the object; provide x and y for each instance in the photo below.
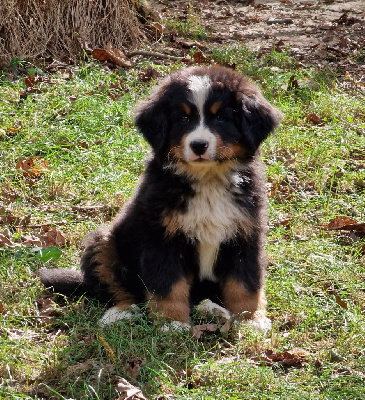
(213, 216)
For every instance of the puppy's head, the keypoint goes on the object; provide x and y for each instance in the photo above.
(206, 115)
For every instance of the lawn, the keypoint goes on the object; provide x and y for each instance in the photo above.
(70, 157)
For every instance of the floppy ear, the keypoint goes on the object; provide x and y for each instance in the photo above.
(152, 120)
(259, 118)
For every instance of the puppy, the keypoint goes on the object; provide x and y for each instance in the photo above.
(195, 227)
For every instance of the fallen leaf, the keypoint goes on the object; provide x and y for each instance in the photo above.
(32, 80)
(9, 219)
(346, 224)
(148, 74)
(133, 368)
(340, 302)
(4, 241)
(84, 145)
(293, 358)
(52, 237)
(199, 57)
(128, 391)
(2, 309)
(14, 130)
(200, 330)
(33, 167)
(315, 119)
(48, 310)
(114, 55)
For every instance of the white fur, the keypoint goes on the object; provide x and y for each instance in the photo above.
(200, 133)
(213, 216)
(262, 324)
(199, 86)
(207, 306)
(115, 314)
(175, 326)
(207, 257)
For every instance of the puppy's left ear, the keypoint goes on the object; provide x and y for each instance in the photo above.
(259, 118)
(151, 120)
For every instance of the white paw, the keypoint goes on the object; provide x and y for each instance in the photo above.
(115, 314)
(262, 324)
(207, 306)
(175, 326)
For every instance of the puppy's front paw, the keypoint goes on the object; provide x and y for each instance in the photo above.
(115, 314)
(208, 307)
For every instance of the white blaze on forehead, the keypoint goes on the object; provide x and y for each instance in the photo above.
(200, 87)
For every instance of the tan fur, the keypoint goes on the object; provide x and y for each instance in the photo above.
(175, 306)
(105, 256)
(186, 108)
(215, 107)
(238, 300)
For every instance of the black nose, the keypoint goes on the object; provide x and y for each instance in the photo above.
(199, 147)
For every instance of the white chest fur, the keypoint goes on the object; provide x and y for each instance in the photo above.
(212, 217)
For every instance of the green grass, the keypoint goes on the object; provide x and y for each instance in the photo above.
(316, 278)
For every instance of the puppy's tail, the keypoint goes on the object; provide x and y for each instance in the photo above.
(65, 281)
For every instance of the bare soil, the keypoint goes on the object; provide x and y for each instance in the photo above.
(325, 33)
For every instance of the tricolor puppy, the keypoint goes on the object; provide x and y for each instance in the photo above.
(195, 227)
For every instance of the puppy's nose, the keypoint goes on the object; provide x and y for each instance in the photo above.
(199, 147)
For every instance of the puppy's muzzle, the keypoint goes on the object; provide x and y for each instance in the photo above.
(199, 147)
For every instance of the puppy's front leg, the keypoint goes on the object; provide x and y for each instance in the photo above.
(162, 266)
(174, 306)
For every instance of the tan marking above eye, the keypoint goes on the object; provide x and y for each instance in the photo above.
(186, 108)
(215, 107)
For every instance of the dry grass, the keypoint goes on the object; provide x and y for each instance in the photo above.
(33, 28)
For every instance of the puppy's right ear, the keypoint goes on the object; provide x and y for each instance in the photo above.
(151, 120)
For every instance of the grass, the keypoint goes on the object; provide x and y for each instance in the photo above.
(94, 156)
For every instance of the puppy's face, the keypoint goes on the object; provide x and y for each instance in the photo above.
(206, 115)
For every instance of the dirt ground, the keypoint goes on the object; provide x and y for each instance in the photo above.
(324, 33)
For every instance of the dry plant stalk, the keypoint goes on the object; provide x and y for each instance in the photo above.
(33, 28)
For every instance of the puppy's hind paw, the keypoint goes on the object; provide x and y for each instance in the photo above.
(262, 324)
(175, 326)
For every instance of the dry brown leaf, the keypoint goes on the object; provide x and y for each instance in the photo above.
(33, 167)
(31, 240)
(52, 237)
(4, 241)
(9, 219)
(48, 309)
(133, 368)
(199, 57)
(128, 391)
(14, 130)
(315, 119)
(114, 55)
(293, 358)
(200, 330)
(148, 74)
(2, 309)
(340, 302)
(345, 223)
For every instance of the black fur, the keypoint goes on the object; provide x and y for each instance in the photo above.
(141, 254)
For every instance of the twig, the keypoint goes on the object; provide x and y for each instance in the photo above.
(153, 54)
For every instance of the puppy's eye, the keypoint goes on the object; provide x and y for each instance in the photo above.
(184, 119)
(221, 118)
